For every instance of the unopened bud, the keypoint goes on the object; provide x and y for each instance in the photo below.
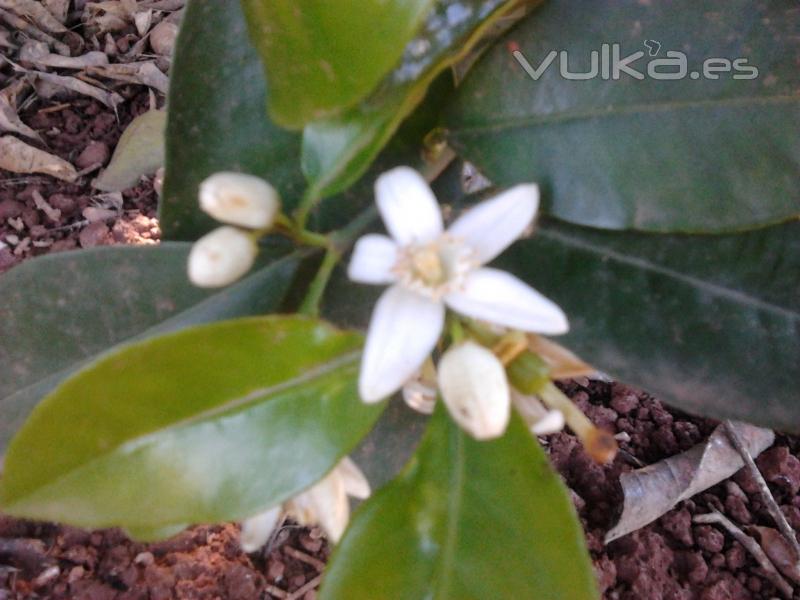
(221, 257)
(239, 199)
(475, 390)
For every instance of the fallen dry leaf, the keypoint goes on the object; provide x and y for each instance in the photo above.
(58, 8)
(140, 151)
(35, 11)
(39, 54)
(18, 157)
(110, 99)
(10, 121)
(146, 73)
(652, 491)
(779, 551)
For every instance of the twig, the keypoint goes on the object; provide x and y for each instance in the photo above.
(715, 517)
(306, 588)
(306, 558)
(772, 506)
(275, 591)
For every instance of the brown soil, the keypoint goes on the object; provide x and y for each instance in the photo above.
(672, 559)
(83, 132)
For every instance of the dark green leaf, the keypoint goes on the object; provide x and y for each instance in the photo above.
(697, 155)
(465, 520)
(61, 310)
(209, 424)
(337, 150)
(711, 324)
(217, 119)
(323, 56)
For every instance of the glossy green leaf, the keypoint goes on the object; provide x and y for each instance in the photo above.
(140, 151)
(337, 150)
(217, 119)
(209, 424)
(465, 520)
(688, 155)
(61, 310)
(710, 324)
(323, 56)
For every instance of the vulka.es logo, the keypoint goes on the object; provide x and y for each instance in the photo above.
(609, 64)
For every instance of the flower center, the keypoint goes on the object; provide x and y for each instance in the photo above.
(436, 268)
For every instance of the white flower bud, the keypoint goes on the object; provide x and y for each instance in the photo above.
(239, 199)
(221, 257)
(256, 530)
(475, 389)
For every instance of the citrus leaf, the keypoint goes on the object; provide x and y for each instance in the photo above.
(51, 322)
(213, 423)
(217, 120)
(337, 150)
(438, 531)
(710, 324)
(140, 151)
(696, 154)
(323, 56)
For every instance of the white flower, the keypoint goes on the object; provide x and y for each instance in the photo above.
(475, 390)
(239, 199)
(429, 268)
(325, 503)
(221, 257)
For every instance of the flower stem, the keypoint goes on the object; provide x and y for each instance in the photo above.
(298, 233)
(307, 203)
(599, 444)
(311, 303)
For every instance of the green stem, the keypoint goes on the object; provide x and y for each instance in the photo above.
(311, 303)
(307, 204)
(299, 234)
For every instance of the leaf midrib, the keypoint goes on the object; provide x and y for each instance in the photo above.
(733, 295)
(454, 502)
(631, 110)
(140, 440)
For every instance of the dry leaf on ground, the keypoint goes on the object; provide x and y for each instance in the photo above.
(140, 151)
(39, 53)
(146, 73)
(652, 491)
(110, 99)
(18, 157)
(10, 121)
(35, 11)
(779, 551)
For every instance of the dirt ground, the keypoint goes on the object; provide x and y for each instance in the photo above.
(672, 559)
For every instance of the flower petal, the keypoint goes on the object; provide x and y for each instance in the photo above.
(256, 530)
(408, 206)
(324, 503)
(492, 226)
(355, 483)
(404, 329)
(499, 297)
(373, 258)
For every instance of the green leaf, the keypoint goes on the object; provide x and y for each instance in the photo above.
(209, 424)
(217, 119)
(140, 151)
(323, 56)
(710, 324)
(688, 155)
(337, 150)
(465, 520)
(51, 321)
